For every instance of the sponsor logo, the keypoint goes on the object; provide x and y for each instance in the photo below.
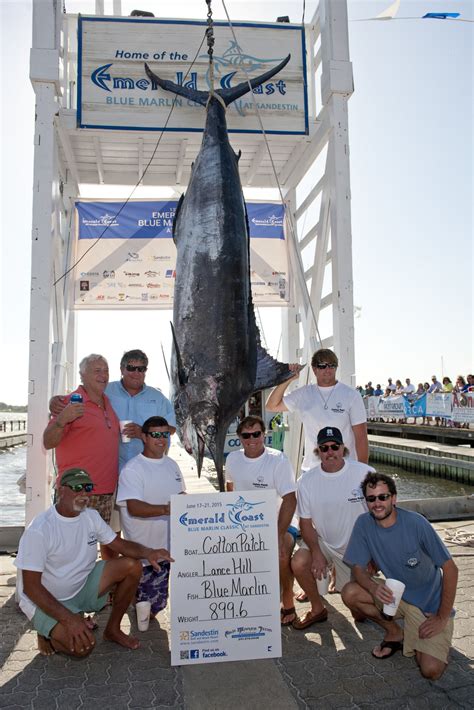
(133, 256)
(338, 409)
(100, 297)
(194, 653)
(84, 285)
(144, 297)
(164, 295)
(92, 539)
(272, 221)
(106, 220)
(152, 274)
(108, 274)
(152, 285)
(136, 285)
(246, 633)
(170, 274)
(131, 273)
(89, 273)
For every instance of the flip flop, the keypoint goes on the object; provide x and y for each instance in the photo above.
(394, 646)
(287, 612)
(301, 597)
(308, 619)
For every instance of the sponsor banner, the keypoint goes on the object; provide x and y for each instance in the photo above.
(390, 407)
(439, 404)
(225, 592)
(114, 91)
(415, 406)
(456, 406)
(132, 261)
(463, 407)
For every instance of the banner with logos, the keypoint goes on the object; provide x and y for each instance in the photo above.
(463, 407)
(225, 591)
(125, 255)
(114, 91)
(458, 407)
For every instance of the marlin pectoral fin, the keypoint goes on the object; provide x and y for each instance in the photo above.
(200, 97)
(182, 377)
(178, 207)
(270, 372)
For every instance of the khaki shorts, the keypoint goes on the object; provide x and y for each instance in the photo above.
(437, 646)
(343, 571)
(103, 503)
(87, 599)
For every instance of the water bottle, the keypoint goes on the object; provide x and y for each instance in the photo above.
(76, 398)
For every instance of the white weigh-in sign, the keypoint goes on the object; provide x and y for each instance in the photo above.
(225, 594)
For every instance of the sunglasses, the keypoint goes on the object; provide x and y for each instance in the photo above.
(78, 487)
(325, 365)
(135, 368)
(326, 447)
(158, 434)
(248, 434)
(382, 496)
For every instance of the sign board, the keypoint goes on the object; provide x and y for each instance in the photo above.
(114, 91)
(225, 591)
(125, 255)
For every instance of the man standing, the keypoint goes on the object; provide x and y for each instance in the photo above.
(404, 547)
(135, 401)
(146, 484)
(256, 467)
(61, 578)
(86, 434)
(329, 502)
(409, 387)
(327, 403)
(435, 386)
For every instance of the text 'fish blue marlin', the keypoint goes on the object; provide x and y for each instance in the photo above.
(217, 361)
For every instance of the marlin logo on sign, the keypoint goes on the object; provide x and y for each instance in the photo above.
(240, 512)
(236, 59)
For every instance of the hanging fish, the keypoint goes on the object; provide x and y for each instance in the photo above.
(218, 360)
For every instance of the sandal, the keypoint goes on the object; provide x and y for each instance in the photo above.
(288, 612)
(301, 597)
(309, 619)
(394, 646)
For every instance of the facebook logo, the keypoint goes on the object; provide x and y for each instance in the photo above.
(194, 653)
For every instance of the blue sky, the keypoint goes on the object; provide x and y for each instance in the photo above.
(411, 144)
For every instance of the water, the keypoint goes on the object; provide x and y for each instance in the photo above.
(409, 485)
(12, 466)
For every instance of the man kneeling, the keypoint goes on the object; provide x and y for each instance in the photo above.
(406, 548)
(61, 579)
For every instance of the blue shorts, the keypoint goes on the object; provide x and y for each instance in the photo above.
(86, 599)
(294, 532)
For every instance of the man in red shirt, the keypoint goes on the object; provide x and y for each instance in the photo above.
(86, 434)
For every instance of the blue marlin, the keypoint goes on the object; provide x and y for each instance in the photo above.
(218, 360)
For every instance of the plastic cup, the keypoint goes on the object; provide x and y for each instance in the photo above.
(143, 615)
(323, 585)
(397, 588)
(123, 423)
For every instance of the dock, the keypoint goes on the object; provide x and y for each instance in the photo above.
(329, 665)
(12, 433)
(455, 463)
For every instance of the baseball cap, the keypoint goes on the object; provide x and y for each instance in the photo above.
(73, 476)
(330, 433)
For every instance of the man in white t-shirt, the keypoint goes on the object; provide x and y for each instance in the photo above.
(330, 500)
(59, 576)
(146, 484)
(409, 387)
(327, 403)
(256, 467)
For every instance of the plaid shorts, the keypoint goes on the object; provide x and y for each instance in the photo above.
(103, 504)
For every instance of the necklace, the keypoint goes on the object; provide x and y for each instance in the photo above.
(326, 401)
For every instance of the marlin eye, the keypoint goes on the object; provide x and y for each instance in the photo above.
(211, 429)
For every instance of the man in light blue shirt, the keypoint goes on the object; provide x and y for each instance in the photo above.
(405, 547)
(134, 401)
